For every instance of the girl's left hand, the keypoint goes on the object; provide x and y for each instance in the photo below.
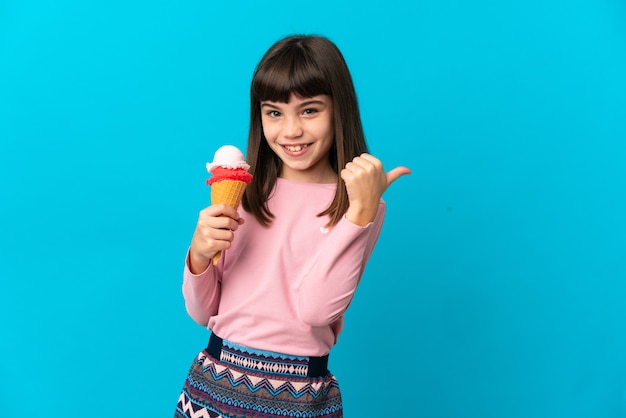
(366, 181)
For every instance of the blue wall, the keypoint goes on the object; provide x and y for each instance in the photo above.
(497, 288)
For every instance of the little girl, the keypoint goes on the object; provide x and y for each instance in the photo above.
(292, 257)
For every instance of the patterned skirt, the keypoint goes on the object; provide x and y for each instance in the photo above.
(231, 381)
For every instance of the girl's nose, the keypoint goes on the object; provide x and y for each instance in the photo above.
(292, 128)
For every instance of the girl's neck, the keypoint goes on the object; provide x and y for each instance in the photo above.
(329, 177)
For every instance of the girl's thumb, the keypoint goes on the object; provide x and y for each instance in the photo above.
(395, 174)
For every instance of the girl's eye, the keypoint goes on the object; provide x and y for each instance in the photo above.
(273, 114)
(310, 111)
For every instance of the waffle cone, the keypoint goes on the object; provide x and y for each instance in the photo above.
(230, 193)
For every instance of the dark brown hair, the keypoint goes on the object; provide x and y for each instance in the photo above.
(307, 66)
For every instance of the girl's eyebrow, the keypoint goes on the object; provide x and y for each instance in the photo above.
(268, 104)
(312, 102)
(300, 105)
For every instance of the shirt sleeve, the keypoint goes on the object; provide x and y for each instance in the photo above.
(201, 293)
(328, 288)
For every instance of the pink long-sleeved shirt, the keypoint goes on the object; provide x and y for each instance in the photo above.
(285, 288)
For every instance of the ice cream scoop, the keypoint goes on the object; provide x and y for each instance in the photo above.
(227, 156)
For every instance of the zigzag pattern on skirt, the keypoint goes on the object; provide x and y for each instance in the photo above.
(214, 389)
(296, 387)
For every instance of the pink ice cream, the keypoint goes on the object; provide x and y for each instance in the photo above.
(228, 164)
(227, 156)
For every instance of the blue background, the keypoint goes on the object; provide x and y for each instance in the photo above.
(498, 285)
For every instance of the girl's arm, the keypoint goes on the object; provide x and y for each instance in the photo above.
(201, 293)
(327, 290)
(201, 282)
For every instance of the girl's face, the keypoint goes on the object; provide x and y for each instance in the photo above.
(301, 133)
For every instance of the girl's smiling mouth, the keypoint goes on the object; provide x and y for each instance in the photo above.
(295, 149)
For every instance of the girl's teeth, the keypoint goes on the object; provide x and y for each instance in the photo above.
(295, 148)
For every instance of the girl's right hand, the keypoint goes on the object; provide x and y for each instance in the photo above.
(214, 232)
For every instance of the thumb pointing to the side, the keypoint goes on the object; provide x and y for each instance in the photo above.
(395, 174)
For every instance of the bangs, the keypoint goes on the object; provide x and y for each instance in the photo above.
(290, 72)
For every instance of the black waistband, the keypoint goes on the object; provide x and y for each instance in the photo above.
(316, 366)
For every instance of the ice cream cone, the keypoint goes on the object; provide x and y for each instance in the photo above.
(230, 193)
(229, 179)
